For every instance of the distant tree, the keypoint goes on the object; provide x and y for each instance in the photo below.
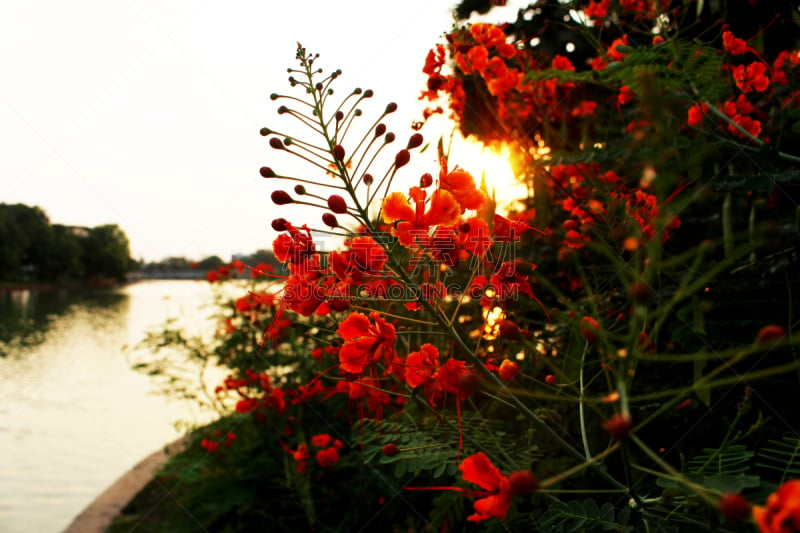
(264, 256)
(106, 252)
(209, 263)
(63, 260)
(25, 241)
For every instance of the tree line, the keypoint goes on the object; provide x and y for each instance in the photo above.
(33, 249)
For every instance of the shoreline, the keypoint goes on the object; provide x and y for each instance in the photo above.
(101, 512)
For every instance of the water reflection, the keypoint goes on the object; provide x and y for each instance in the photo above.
(73, 415)
(26, 316)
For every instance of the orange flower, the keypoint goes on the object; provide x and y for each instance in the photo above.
(461, 185)
(365, 342)
(479, 469)
(409, 222)
(781, 514)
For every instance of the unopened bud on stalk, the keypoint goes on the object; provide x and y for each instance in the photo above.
(389, 138)
(276, 143)
(380, 129)
(368, 93)
(426, 180)
(339, 116)
(275, 96)
(368, 179)
(402, 158)
(283, 109)
(267, 172)
(338, 152)
(281, 198)
(330, 220)
(337, 204)
(299, 189)
(522, 483)
(509, 330)
(265, 131)
(390, 450)
(280, 224)
(391, 108)
(414, 141)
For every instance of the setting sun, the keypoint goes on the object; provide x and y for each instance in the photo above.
(493, 164)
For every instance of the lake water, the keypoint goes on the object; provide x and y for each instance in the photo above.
(73, 415)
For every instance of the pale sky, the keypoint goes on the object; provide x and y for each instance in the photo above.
(146, 113)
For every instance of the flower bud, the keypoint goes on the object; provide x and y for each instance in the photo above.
(265, 131)
(299, 189)
(368, 179)
(508, 329)
(389, 138)
(390, 450)
(589, 329)
(274, 96)
(368, 93)
(522, 483)
(391, 108)
(380, 129)
(267, 172)
(281, 197)
(337, 204)
(338, 152)
(330, 220)
(276, 143)
(618, 426)
(550, 379)
(280, 224)
(283, 109)
(426, 180)
(641, 292)
(339, 116)
(414, 141)
(770, 334)
(402, 158)
(734, 507)
(508, 370)
(469, 382)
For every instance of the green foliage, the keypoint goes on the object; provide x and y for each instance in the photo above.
(586, 515)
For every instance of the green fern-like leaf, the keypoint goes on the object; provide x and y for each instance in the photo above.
(583, 516)
(731, 461)
(782, 456)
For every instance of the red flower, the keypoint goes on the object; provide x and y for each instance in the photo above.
(733, 45)
(421, 365)
(613, 53)
(781, 514)
(696, 114)
(479, 469)
(327, 457)
(365, 342)
(322, 440)
(751, 77)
